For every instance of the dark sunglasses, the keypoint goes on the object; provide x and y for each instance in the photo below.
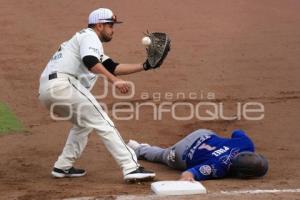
(113, 19)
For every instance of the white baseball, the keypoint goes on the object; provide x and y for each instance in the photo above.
(146, 41)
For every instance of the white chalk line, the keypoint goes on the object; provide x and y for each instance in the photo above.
(233, 192)
(258, 191)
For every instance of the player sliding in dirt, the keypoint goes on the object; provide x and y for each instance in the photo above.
(205, 155)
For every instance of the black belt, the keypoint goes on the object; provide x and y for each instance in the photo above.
(52, 76)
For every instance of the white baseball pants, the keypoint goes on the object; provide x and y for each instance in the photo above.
(66, 97)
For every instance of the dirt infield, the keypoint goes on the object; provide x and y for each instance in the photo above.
(241, 51)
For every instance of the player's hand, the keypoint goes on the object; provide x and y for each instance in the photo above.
(122, 86)
(187, 176)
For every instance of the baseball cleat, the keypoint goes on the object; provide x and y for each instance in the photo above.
(135, 145)
(139, 174)
(72, 172)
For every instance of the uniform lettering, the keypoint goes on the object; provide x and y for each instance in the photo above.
(82, 31)
(207, 147)
(220, 151)
(200, 140)
(95, 50)
(57, 56)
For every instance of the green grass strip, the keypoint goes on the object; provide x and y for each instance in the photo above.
(8, 121)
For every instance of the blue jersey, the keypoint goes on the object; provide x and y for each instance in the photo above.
(210, 155)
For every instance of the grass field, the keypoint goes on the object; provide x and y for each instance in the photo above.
(8, 121)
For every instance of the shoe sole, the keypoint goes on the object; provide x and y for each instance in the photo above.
(60, 175)
(132, 181)
(139, 177)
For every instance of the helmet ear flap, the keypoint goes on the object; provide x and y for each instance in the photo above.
(249, 165)
(264, 165)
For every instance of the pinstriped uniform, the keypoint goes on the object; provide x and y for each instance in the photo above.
(68, 94)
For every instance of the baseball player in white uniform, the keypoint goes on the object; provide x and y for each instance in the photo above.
(65, 86)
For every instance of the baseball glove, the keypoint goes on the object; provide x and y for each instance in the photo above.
(157, 50)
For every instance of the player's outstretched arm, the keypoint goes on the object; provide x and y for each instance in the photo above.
(124, 69)
(122, 86)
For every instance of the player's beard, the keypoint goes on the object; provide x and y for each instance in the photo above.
(104, 37)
